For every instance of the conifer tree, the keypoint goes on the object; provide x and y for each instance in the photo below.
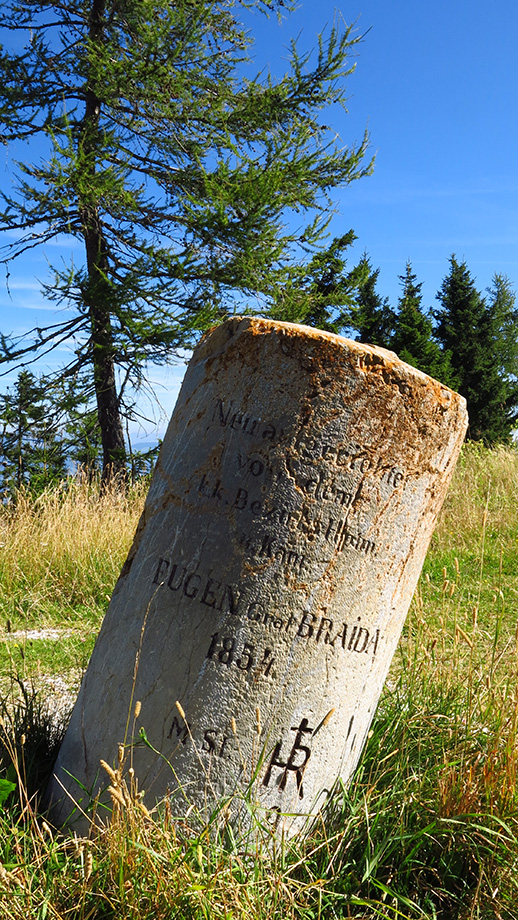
(326, 285)
(190, 183)
(31, 446)
(471, 331)
(413, 339)
(80, 429)
(501, 300)
(371, 316)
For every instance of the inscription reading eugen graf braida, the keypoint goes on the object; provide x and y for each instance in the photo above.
(229, 598)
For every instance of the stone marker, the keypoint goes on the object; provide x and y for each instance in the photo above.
(284, 532)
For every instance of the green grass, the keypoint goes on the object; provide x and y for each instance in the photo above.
(427, 829)
(35, 658)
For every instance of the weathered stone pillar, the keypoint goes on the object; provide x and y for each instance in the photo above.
(284, 532)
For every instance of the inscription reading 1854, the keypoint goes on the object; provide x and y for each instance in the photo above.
(225, 650)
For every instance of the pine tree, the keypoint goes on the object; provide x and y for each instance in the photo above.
(413, 339)
(190, 183)
(371, 317)
(469, 329)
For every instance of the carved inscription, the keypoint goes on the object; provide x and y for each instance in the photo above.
(295, 763)
(227, 416)
(319, 496)
(272, 569)
(232, 599)
(351, 456)
(214, 742)
(323, 493)
(211, 741)
(327, 489)
(207, 591)
(298, 757)
(268, 548)
(225, 650)
(328, 478)
(328, 448)
(179, 730)
(239, 498)
(336, 531)
(354, 638)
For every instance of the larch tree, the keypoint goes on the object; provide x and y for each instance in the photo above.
(190, 183)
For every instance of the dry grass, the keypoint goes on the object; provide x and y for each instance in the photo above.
(485, 485)
(428, 829)
(60, 554)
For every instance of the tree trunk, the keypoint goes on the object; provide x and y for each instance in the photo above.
(108, 409)
(98, 294)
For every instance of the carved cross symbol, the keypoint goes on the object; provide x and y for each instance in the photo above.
(290, 765)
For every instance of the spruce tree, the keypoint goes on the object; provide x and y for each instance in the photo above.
(501, 300)
(469, 329)
(31, 444)
(413, 339)
(324, 290)
(80, 426)
(371, 317)
(191, 183)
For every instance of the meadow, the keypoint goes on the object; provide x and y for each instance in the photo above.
(427, 829)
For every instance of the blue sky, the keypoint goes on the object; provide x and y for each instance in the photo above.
(435, 84)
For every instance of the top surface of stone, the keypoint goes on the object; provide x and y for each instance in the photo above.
(219, 335)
